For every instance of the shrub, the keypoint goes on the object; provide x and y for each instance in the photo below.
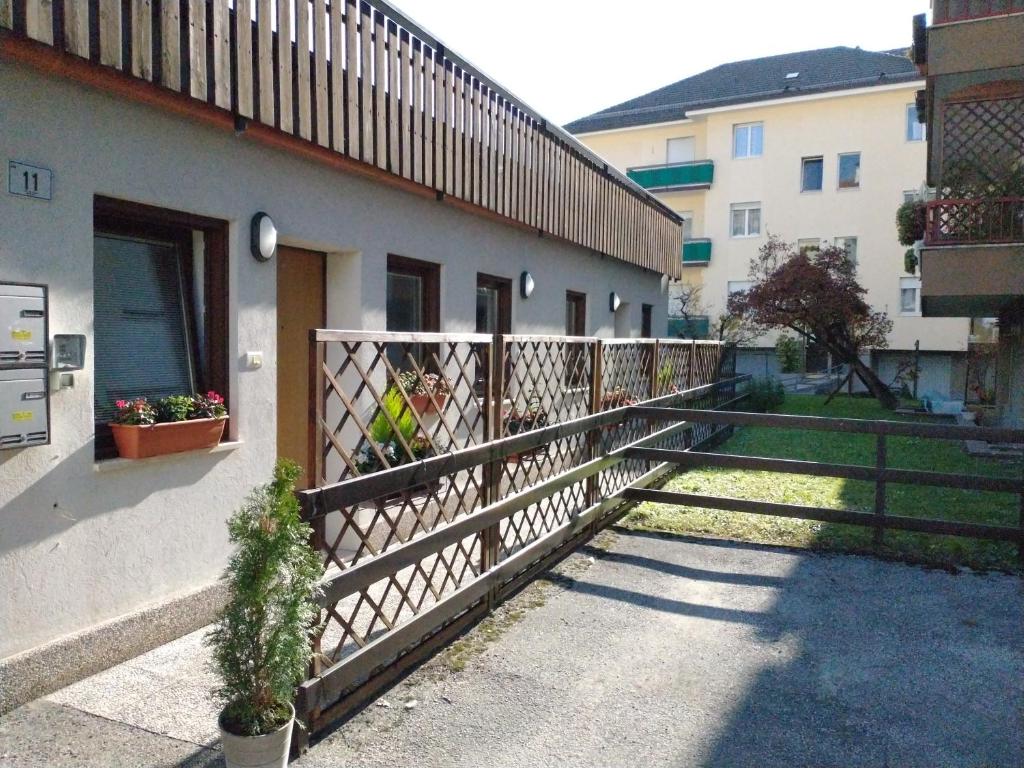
(910, 221)
(764, 394)
(789, 352)
(261, 646)
(910, 261)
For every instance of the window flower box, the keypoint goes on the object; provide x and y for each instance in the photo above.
(143, 441)
(171, 425)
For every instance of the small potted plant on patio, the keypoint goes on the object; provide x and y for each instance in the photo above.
(420, 391)
(384, 438)
(533, 416)
(261, 644)
(170, 425)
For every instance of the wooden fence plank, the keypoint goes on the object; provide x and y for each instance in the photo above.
(351, 79)
(366, 83)
(142, 37)
(380, 79)
(461, 127)
(197, 48)
(405, 73)
(244, 100)
(337, 95)
(110, 33)
(221, 34)
(303, 78)
(428, 116)
(320, 47)
(39, 20)
(392, 60)
(265, 60)
(439, 119)
(285, 79)
(76, 28)
(416, 102)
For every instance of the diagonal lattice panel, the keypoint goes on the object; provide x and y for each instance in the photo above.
(982, 147)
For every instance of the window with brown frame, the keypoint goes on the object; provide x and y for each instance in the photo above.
(493, 315)
(575, 325)
(160, 307)
(646, 321)
(413, 304)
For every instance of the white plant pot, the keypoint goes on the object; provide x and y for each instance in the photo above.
(267, 751)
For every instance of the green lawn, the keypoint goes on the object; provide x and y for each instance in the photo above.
(907, 453)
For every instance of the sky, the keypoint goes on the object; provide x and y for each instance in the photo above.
(569, 58)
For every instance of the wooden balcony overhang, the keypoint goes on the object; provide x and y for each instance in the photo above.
(375, 95)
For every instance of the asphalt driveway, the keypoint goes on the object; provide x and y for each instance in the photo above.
(657, 651)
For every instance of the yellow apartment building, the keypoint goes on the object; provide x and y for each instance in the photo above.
(816, 147)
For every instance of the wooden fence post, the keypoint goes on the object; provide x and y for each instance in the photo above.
(494, 392)
(594, 436)
(880, 458)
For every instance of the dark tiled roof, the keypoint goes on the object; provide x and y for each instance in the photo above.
(828, 69)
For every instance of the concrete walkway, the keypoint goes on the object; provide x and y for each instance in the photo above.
(662, 652)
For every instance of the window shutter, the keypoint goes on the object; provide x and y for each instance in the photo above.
(142, 347)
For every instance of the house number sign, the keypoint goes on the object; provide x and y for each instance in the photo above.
(29, 181)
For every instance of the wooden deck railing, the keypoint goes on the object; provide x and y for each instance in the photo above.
(363, 81)
(949, 11)
(975, 221)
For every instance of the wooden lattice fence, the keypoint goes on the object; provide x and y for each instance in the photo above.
(448, 466)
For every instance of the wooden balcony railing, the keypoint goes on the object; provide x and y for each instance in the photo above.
(367, 83)
(949, 11)
(975, 221)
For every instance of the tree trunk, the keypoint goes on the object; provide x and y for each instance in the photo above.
(874, 384)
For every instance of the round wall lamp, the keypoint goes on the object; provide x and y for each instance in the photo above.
(614, 302)
(263, 237)
(526, 285)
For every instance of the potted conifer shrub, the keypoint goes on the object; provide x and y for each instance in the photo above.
(261, 644)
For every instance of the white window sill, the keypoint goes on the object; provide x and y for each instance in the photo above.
(115, 465)
(745, 237)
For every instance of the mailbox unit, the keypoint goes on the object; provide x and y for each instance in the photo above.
(24, 378)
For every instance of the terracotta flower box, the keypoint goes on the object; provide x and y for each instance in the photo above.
(144, 441)
(423, 405)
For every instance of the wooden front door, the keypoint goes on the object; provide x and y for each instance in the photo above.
(301, 305)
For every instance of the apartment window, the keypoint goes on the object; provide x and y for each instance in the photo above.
(746, 219)
(682, 150)
(687, 217)
(160, 307)
(849, 170)
(748, 140)
(739, 286)
(493, 304)
(910, 296)
(916, 131)
(848, 244)
(646, 321)
(808, 244)
(811, 174)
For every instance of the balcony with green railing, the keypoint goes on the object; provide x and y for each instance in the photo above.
(664, 178)
(696, 252)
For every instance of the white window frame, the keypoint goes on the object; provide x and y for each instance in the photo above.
(843, 242)
(910, 283)
(749, 144)
(908, 127)
(808, 242)
(746, 207)
(687, 217)
(668, 150)
(803, 162)
(839, 170)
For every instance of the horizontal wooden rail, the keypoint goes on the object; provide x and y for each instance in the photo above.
(389, 337)
(827, 424)
(820, 469)
(825, 514)
(326, 688)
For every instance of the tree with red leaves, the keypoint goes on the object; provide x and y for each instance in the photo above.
(815, 294)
